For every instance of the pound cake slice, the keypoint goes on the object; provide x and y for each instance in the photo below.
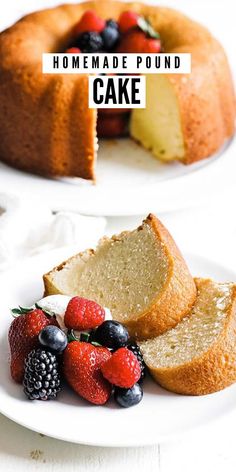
(139, 275)
(198, 356)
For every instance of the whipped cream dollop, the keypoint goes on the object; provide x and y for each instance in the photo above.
(57, 304)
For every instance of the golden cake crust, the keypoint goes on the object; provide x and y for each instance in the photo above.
(45, 124)
(214, 370)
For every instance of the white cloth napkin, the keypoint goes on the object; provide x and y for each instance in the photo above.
(28, 227)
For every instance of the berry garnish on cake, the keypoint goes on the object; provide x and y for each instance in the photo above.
(74, 339)
(93, 34)
(132, 33)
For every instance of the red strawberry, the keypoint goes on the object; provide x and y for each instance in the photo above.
(134, 41)
(152, 45)
(23, 337)
(89, 21)
(83, 314)
(82, 369)
(73, 51)
(122, 369)
(127, 21)
(113, 125)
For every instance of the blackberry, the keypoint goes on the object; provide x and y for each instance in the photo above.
(127, 397)
(41, 377)
(90, 42)
(137, 352)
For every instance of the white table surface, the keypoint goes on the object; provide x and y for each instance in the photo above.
(210, 230)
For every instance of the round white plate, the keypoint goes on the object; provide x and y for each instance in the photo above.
(160, 416)
(130, 181)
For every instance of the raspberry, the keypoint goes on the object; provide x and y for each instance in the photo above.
(123, 369)
(152, 46)
(89, 22)
(127, 21)
(83, 314)
(73, 51)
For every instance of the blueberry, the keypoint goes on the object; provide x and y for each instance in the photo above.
(112, 24)
(111, 334)
(127, 397)
(53, 338)
(110, 36)
(90, 42)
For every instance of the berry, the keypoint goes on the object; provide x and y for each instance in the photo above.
(122, 369)
(110, 36)
(41, 377)
(112, 24)
(73, 51)
(82, 314)
(134, 41)
(103, 112)
(23, 337)
(82, 364)
(89, 22)
(90, 42)
(113, 125)
(128, 20)
(128, 397)
(53, 338)
(152, 46)
(137, 352)
(111, 334)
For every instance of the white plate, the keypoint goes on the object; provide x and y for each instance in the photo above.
(130, 181)
(160, 416)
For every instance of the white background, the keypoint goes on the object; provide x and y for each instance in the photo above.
(205, 450)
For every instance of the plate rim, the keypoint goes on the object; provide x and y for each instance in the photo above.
(160, 197)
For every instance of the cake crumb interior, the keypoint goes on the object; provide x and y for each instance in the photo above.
(124, 274)
(195, 333)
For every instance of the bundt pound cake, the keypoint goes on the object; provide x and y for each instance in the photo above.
(46, 126)
(198, 356)
(139, 275)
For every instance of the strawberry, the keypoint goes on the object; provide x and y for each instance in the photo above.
(23, 337)
(122, 369)
(134, 41)
(112, 125)
(83, 314)
(82, 364)
(152, 45)
(127, 21)
(73, 51)
(89, 21)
